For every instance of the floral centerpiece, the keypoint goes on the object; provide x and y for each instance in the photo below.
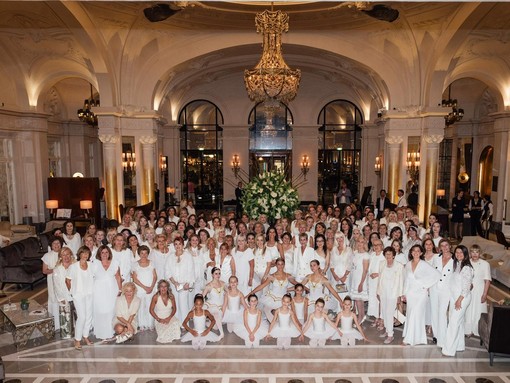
(270, 194)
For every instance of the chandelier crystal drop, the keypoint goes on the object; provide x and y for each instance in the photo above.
(272, 79)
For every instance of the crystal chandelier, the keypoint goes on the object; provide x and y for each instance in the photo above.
(272, 79)
(456, 114)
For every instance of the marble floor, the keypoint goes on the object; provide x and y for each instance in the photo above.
(143, 360)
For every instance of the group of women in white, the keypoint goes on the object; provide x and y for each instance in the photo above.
(312, 277)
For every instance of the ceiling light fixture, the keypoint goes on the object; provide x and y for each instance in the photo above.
(272, 79)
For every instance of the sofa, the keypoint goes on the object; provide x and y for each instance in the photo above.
(493, 329)
(20, 262)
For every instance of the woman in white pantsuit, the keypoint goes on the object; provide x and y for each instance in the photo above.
(389, 289)
(80, 282)
(460, 298)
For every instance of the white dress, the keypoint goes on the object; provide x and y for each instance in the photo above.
(272, 299)
(300, 311)
(144, 275)
(416, 285)
(166, 332)
(159, 260)
(225, 267)
(234, 311)
(340, 264)
(124, 311)
(285, 328)
(199, 325)
(105, 296)
(73, 243)
(242, 260)
(215, 300)
(482, 273)
(289, 260)
(320, 329)
(124, 259)
(357, 274)
(50, 260)
(181, 270)
(374, 267)
(349, 333)
(318, 290)
(241, 331)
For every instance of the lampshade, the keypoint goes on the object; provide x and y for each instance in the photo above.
(51, 204)
(440, 192)
(170, 190)
(86, 204)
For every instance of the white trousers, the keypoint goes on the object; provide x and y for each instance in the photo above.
(83, 306)
(454, 340)
(388, 306)
(182, 300)
(439, 301)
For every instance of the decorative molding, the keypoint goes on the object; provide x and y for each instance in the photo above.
(433, 138)
(148, 140)
(394, 139)
(108, 138)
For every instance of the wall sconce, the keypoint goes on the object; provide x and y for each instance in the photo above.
(305, 165)
(163, 163)
(378, 165)
(86, 205)
(50, 205)
(236, 165)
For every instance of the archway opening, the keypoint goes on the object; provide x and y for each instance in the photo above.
(485, 170)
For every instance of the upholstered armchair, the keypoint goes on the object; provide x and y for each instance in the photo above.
(494, 330)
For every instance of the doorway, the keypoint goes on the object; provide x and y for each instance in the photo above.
(277, 160)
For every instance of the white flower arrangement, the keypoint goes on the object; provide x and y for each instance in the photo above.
(270, 194)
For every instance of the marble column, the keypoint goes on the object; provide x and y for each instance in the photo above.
(431, 166)
(110, 173)
(148, 154)
(394, 164)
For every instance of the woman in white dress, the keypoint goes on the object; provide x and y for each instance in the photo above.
(209, 255)
(322, 254)
(261, 260)
(287, 252)
(71, 238)
(49, 261)
(62, 294)
(253, 328)
(127, 306)
(145, 277)
(419, 276)
(214, 292)
(123, 256)
(359, 283)
(374, 266)
(225, 262)
(277, 285)
(273, 246)
(179, 270)
(341, 264)
(389, 290)
(243, 258)
(80, 282)
(159, 256)
(481, 283)
(460, 298)
(107, 286)
(163, 311)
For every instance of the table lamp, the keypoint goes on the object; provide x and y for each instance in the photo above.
(50, 205)
(86, 205)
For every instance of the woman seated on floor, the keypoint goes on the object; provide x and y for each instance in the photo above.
(126, 309)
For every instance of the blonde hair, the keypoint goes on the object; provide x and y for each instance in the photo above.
(127, 285)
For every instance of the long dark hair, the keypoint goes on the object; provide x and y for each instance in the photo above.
(465, 262)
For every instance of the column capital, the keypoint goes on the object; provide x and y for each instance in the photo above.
(433, 138)
(148, 140)
(108, 138)
(394, 139)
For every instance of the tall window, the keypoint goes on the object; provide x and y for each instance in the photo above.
(270, 139)
(202, 153)
(339, 148)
